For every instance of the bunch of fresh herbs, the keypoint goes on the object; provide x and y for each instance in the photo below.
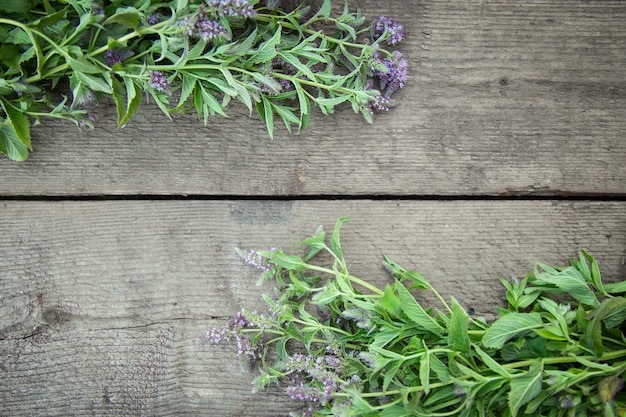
(346, 348)
(189, 55)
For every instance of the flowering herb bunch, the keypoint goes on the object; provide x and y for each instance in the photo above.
(190, 55)
(343, 347)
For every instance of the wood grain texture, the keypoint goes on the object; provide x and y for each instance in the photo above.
(504, 98)
(104, 304)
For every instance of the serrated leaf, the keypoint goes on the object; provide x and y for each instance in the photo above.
(416, 313)
(525, 387)
(390, 373)
(94, 83)
(287, 261)
(11, 145)
(187, 86)
(440, 369)
(293, 60)
(512, 325)
(424, 372)
(287, 115)
(196, 51)
(491, 363)
(18, 36)
(616, 287)
(238, 49)
(458, 338)
(611, 308)
(266, 51)
(569, 280)
(243, 95)
(127, 16)
(118, 97)
(161, 101)
(83, 66)
(324, 11)
(596, 277)
(18, 122)
(133, 101)
(331, 102)
(267, 114)
(335, 244)
(390, 301)
(211, 105)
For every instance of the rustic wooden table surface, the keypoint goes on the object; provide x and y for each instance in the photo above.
(118, 246)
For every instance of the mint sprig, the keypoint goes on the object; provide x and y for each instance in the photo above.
(57, 57)
(343, 347)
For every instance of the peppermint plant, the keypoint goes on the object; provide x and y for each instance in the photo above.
(339, 346)
(59, 56)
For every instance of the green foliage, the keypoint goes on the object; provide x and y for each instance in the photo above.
(59, 56)
(392, 357)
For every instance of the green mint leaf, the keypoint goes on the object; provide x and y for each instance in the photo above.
(491, 363)
(95, 83)
(287, 115)
(18, 122)
(10, 143)
(335, 244)
(416, 313)
(119, 98)
(616, 287)
(267, 114)
(293, 60)
(525, 387)
(290, 262)
(510, 326)
(424, 372)
(324, 11)
(458, 338)
(127, 16)
(569, 280)
(390, 301)
(133, 101)
(13, 6)
(611, 313)
(266, 51)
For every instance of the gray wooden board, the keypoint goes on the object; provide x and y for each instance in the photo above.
(504, 98)
(104, 304)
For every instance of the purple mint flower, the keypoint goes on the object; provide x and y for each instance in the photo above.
(394, 75)
(299, 391)
(379, 104)
(368, 359)
(154, 18)
(159, 81)
(248, 352)
(218, 335)
(389, 25)
(231, 8)
(207, 30)
(116, 56)
(186, 25)
(86, 122)
(256, 259)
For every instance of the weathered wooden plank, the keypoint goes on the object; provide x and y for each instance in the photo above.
(104, 303)
(504, 98)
